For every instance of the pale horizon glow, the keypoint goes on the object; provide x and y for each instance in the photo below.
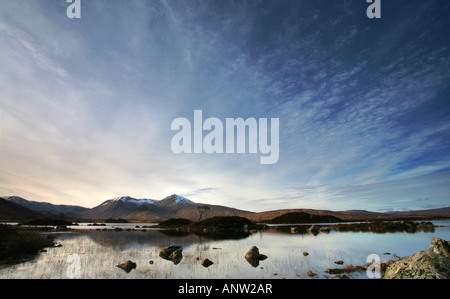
(86, 105)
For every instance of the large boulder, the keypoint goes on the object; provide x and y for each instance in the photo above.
(433, 263)
(172, 253)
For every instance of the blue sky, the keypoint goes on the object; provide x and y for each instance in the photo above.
(86, 104)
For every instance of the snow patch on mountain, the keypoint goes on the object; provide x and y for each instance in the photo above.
(182, 200)
(129, 199)
(175, 200)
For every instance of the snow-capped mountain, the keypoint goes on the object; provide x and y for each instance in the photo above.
(174, 200)
(129, 199)
(169, 201)
(127, 207)
(119, 207)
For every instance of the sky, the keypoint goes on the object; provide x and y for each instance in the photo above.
(86, 104)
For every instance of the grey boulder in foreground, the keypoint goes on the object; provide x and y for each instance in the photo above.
(433, 263)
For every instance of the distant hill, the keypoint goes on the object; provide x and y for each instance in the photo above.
(68, 210)
(10, 211)
(344, 215)
(301, 217)
(441, 212)
(352, 215)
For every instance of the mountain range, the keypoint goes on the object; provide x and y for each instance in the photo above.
(126, 207)
(176, 206)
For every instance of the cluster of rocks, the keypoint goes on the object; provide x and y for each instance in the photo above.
(340, 273)
(433, 263)
(374, 226)
(174, 253)
(313, 229)
(385, 226)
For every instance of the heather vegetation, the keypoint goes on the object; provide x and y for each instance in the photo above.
(47, 221)
(301, 217)
(18, 243)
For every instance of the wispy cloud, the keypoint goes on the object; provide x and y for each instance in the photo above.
(199, 191)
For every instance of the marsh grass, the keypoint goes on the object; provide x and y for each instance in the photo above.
(98, 261)
(19, 244)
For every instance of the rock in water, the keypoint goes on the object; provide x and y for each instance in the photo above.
(127, 266)
(206, 263)
(324, 229)
(253, 256)
(433, 263)
(167, 251)
(172, 253)
(253, 253)
(176, 256)
(313, 229)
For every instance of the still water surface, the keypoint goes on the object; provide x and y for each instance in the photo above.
(99, 252)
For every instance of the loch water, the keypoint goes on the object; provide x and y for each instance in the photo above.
(89, 252)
